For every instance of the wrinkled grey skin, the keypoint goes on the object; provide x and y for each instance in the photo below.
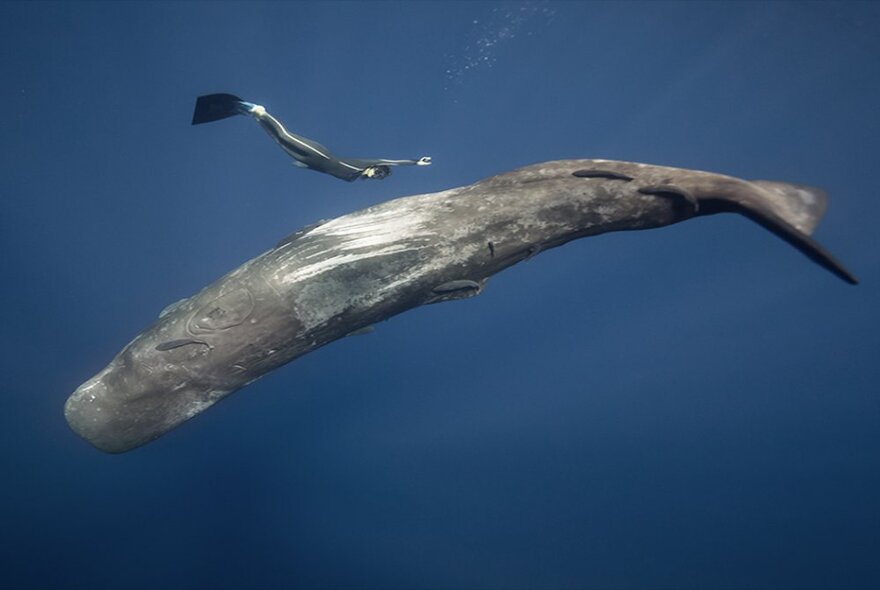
(327, 281)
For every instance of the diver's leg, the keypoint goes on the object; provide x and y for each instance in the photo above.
(249, 108)
(298, 150)
(304, 150)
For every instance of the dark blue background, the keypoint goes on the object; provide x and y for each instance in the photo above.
(692, 407)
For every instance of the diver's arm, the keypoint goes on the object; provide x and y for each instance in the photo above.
(423, 161)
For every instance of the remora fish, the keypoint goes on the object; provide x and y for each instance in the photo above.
(335, 278)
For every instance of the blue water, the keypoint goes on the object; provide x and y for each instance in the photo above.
(690, 407)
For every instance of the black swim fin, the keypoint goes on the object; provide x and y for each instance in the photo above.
(213, 107)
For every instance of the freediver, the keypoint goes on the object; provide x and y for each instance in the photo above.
(305, 152)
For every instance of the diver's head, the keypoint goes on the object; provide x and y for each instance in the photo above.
(376, 172)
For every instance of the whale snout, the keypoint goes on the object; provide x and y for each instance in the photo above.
(120, 408)
(91, 414)
(129, 404)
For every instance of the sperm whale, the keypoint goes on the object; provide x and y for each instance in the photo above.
(340, 276)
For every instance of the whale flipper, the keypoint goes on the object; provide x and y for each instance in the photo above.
(171, 307)
(792, 213)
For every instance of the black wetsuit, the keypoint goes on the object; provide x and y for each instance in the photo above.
(311, 154)
(307, 153)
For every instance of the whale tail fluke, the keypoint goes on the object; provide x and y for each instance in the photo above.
(213, 107)
(791, 211)
(800, 206)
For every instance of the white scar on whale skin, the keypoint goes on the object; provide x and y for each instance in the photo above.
(376, 228)
(311, 270)
(376, 232)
